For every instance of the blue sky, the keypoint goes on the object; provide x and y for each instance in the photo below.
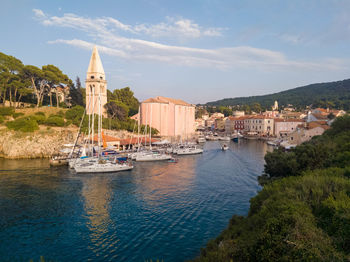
(199, 50)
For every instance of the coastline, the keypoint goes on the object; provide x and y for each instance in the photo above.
(40, 144)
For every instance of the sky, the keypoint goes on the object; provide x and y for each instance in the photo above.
(195, 50)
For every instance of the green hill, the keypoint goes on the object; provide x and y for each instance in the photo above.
(331, 94)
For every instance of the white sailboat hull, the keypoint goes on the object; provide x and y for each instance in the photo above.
(102, 168)
(150, 157)
(189, 151)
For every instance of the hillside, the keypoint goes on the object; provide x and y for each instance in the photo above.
(331, 94)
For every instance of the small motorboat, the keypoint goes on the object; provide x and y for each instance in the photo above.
(224, 147)
(58, 160)
(172, 160)
(235, 139)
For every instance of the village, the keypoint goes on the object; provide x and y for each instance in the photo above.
(287, 127)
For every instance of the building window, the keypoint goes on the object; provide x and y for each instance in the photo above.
(92, 77)
(291, 138)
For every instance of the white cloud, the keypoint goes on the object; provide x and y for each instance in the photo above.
(39, 13)
(111, 43)
(177, 28)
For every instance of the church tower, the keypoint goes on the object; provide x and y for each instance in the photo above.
(95, 85)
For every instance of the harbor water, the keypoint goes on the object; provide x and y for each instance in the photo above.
(159, 210)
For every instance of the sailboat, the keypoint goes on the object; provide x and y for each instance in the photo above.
(96, 164)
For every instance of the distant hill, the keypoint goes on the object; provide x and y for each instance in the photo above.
(331, 94)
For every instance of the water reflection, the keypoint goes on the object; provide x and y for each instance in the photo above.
(166, 180)
(96, 193)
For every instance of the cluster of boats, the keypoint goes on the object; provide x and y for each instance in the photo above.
(113, 161)
(92, 158)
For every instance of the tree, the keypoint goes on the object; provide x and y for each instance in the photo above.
(10, 69)
(126, 96)
(56, 82)
(117, 110)
(36, 76)
(76, 93)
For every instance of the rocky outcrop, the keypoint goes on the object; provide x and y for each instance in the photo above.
(40, 144)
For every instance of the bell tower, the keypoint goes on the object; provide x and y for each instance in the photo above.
(95, 85)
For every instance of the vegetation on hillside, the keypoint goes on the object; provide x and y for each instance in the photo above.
(302, 213)
(45, 86)
(31, 84)
(332, 95)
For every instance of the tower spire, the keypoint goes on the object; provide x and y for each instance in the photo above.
(95, 65)
(96, 85)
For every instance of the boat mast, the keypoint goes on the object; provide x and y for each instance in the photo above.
(93, 121)
(89, 126)
(99, 124)
(138, 130)
(150, 130)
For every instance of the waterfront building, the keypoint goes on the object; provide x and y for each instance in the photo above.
(259, 125)
(95, 85)
(233, 124)
(171, 117)
(220, 123)
(283, 127)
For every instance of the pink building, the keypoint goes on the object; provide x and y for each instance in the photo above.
(171, 117)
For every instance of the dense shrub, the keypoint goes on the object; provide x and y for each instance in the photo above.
(75, 114)
(60, 113)
(39, 118)
(24, 124)
(6, 111)
(2, 119)
(15, 115)
(39, 114)
(54, 120)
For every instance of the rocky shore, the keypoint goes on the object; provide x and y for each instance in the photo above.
(42, 143)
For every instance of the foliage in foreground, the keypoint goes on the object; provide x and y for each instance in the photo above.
(293, 219)
(303, 213)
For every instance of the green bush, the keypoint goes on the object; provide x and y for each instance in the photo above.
(60, 113)
(40, 114)
(54, 120)
(6, 111)
(15, 115)
(39, 118)
(68, 123)
(2, 119)
(24, 124)
(75, 114)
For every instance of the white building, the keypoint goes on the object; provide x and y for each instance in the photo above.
(283, 127)
(259, 125)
